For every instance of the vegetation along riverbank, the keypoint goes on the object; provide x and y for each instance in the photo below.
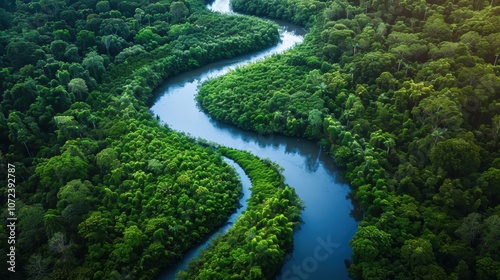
(103, 190)
(405, 97)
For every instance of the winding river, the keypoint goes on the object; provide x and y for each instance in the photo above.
(322, 243)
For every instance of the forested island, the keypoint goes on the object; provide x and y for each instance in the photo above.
(404, 96)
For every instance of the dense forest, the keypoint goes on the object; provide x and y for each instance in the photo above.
(405, 98)
(102, 190)
(256, 245)
(403, 95)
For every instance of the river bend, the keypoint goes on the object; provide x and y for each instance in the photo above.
(322, 243)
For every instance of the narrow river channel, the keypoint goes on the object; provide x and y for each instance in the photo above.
(322, 243)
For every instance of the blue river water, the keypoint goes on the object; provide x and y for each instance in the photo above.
(321, 244)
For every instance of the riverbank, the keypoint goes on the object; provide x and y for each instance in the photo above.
(170, 272)
(256, 245)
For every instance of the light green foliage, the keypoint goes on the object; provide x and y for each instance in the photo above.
(58, 170)
(371, 243)
(252, 250)
(107, 160)
(147, 37)
(78, 87)
(74, 192)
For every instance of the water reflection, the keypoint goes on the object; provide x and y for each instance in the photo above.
(303, 148)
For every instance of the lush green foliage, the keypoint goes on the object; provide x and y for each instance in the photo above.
(302, 12)
(406, 99)
(255, 246)
(104, 191)
(268, 97)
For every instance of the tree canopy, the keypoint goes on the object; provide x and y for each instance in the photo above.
(404, 96)
(107, 191)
